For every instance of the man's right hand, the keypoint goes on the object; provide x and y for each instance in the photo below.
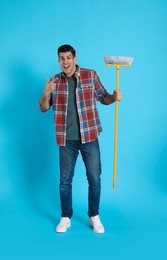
(50, 86)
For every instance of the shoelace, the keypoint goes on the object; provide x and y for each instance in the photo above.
(97, 220)
(64, 220)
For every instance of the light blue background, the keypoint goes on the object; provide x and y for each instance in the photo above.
(135, 215)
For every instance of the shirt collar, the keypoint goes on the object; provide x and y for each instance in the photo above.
(77, 72)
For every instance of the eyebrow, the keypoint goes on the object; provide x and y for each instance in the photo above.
(69, 56)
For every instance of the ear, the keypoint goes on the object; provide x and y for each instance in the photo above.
(75, 59)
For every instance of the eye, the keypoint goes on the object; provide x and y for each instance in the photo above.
(61, 59)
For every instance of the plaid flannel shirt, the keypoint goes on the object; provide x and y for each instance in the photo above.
(88, 90)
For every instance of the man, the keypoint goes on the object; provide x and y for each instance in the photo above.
(72, 95)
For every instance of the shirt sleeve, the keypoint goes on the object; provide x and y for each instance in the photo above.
(45, 109)
(100, 91)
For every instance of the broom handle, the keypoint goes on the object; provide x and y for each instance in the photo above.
(116, 130)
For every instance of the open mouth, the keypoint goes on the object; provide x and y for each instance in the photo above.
(66, 67)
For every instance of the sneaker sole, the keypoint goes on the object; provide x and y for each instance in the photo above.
(64, 230)
(96, 231)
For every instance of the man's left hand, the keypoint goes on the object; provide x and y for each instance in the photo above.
(117, 95)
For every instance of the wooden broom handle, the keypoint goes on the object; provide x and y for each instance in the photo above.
(116, 130)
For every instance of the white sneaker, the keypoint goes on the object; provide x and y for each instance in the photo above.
(64, 223)
(96, 224)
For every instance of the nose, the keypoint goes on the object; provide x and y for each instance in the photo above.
(65, 60)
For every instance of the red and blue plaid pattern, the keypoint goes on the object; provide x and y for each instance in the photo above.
(88, 90)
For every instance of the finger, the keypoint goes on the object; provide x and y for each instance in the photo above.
(53, 85)
(54, 79)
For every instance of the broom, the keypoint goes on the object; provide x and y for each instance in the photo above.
(117, 61)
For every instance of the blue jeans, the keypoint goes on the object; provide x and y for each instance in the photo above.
(91, 156)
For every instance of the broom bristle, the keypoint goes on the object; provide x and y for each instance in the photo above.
(121, 60)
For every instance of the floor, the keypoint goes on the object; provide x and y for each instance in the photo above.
(136, 229)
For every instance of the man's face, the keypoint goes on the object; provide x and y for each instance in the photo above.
(67, 63)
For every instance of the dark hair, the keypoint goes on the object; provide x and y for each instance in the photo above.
(66, 48)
